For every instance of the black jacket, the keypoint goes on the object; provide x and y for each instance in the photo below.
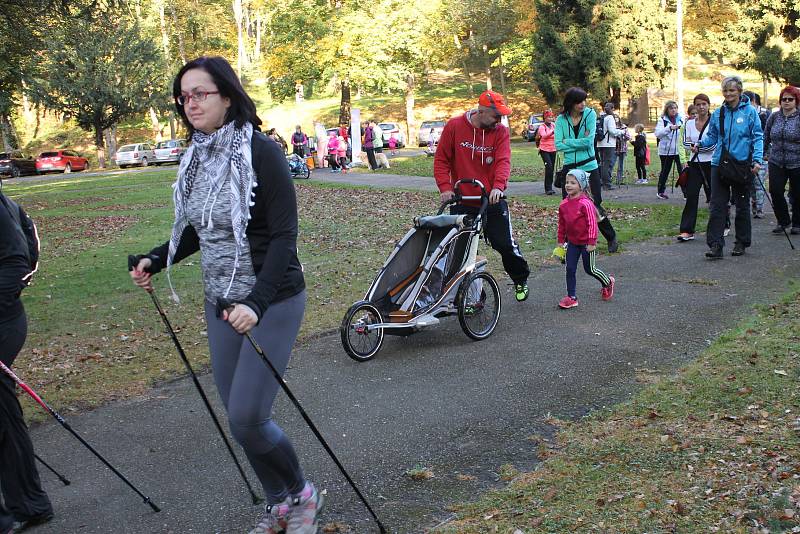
(14, 265)
(271, 231)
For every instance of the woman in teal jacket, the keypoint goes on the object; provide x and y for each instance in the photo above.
(743, 139)
(575, 129)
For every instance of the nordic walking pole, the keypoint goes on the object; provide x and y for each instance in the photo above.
(769, 197)
(256, 498)
(61, 478)
(63, 423)
(222, 305)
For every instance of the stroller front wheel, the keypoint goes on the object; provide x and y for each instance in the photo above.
(361, 342)
(478, 302)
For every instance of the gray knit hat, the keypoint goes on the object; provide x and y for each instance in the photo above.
(581, 177)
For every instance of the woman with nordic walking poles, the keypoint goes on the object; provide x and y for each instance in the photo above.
(24, 503)
(668, 134)
(699, 171)
(735, 129)
(575, 133)
(235, 202)
(782, 141)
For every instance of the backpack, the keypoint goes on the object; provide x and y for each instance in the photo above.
(600, 129)
(763, 115)
(26, 230)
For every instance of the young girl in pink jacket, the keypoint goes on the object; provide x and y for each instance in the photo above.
(577, 232)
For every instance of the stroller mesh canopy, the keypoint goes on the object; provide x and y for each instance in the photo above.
(405, 265)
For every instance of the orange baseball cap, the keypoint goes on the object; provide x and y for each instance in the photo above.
(494, 100)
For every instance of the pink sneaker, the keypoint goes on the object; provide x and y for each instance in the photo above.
(568, 302)
(607, 292)
(302, 517)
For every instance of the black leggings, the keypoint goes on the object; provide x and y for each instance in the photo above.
(778, 176)
(23, 495)
(666, 165)
(699, 174)
(549, 159)
(641, 168)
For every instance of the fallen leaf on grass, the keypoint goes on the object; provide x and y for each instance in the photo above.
(780, 372)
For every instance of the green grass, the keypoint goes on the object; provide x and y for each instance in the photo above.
(94, 337)
(713, 448)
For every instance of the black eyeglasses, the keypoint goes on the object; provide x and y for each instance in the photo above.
(787, 99)
(197, 96)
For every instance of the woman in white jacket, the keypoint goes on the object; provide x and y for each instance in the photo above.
(699, 164)
(668, 135)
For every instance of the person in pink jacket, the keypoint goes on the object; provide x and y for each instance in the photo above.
(341, 153)
(577, 232)
(333, 148)
(546, 139)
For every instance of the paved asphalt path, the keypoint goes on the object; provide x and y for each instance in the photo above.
(434, 399)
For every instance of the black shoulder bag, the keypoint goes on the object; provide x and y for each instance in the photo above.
(731, 170)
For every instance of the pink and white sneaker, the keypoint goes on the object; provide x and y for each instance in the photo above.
(568, 302)
(274, 519)
(302, 517)
(607, 292)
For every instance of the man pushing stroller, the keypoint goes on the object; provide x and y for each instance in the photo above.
(476, 146)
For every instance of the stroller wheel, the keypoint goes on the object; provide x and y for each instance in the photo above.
(307, 173)
(360, 342)
(478, 302)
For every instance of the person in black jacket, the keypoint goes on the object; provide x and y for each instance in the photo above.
(24, 502)
(235, 202)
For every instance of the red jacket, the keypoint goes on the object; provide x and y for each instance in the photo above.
(577, 221)
(466, 152)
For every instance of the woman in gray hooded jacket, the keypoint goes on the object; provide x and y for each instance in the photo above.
(782, 139)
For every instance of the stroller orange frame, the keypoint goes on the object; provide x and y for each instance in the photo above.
(433, 272)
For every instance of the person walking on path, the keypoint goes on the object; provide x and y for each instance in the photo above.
(332, 147)
(476, 146)
(24, 503)
(782, 140)
(575, 133)
(735, 129)
(546, 133)
(577, 232)
(235, 202)
(668, 134)
(692, 133)
(621, 152)
(607, 145)
(369, 146)
(640, 153)
(759, 180)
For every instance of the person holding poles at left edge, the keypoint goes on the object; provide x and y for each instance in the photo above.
(477, 146)
(235, 202)
(24, 503)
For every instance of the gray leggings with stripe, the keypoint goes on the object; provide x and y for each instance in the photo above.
(248, 389)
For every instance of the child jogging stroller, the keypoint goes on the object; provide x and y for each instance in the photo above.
(433, 272)
(298, 167)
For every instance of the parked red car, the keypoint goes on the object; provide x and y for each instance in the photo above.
(61, 161)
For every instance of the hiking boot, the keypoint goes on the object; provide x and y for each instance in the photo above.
(274, 519)
(759, 214)
(778, 230)
(302, 517)
(662, 196)
(726, 232)
(567, 303)
(608, 291)
(613, 246)
(685, 236)
(715, 253)
(738, 250)
(521, 291)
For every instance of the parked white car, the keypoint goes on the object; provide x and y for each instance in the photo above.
(169, 151)
(390, 129)
(425, 132)
(136, 154)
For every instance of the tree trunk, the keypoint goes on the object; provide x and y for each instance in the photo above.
(99, 143)
(616, 96)
(181, 47)
(411, 123)
(257, 46)
(172, 131)
(38, 122)
(238, 17)
(502, 73)
(344, 106)
(468, 77)
(8, 135)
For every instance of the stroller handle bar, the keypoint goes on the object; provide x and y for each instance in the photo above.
(458, 197)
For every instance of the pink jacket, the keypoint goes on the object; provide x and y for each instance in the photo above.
(333, 146)
(548, 137)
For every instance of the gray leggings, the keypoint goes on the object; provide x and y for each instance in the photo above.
(248, 388)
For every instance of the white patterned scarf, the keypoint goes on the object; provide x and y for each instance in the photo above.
(225, 155)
